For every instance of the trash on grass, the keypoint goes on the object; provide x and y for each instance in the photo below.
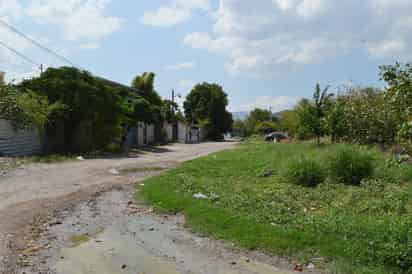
(200, 196)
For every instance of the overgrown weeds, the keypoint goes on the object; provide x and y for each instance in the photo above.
(305, 171)
(351, 165)
(363, 228)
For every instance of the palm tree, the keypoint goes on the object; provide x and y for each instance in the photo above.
(321, 99)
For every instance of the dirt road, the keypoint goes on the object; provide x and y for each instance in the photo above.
(38, 190)
(111, 234)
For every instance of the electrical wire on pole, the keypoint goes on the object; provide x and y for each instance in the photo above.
(37, 44)
(21, 55)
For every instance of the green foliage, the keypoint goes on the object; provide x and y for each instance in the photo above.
(305, 172)
(399, 94)
(206, 104)
(289, 122)
(148, 107)
(26, 109)
(364, 116)
(239, 128)
(359, 229)
(312, 114)
(88, 101)
(169, 110)
(256, 117)
(351, 166)
(266, 127)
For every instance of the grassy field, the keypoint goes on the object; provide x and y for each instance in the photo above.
(250, 201)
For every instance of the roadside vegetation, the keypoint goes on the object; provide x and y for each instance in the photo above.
(339, 196)
(351, 114)
(294, 200)
(81, 113)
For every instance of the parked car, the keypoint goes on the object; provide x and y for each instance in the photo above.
(276, 137)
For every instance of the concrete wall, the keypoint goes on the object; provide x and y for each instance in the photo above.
(168, 128)
(181, 133)
(18, 142)
(145, 134)
(150, 131)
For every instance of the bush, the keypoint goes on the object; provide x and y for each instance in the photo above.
(305, 172)
(351, 165)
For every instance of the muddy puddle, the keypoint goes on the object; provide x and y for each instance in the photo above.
(111, 235)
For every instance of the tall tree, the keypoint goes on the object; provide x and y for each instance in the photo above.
(255, 118)
(148, 108)
(144, 84)
(206, 104)
(312, 113)
(91, 105)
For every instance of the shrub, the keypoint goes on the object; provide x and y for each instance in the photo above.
(305, 172)
(351, 165)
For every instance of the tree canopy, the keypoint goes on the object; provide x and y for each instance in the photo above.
(206, 104)
(260, 121)
(26, 109)
(86, 100)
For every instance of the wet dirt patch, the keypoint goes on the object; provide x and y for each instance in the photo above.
(142, 169)
(115, 235)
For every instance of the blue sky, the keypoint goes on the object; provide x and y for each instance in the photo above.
(265, 53)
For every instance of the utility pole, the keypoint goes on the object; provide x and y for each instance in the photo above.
(41, 69)
(173, 97)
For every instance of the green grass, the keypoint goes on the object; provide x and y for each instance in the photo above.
(356, 229)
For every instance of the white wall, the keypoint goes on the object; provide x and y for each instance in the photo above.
(150, 134)
(18, 142)
(140, 134)
(169, 131)
(181, 132)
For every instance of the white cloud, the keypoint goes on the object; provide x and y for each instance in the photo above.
(175, 12)
(181, 66)
(266, 102)
(10, 8)
(268, 37)
(80, 20)
(387, 48)
(286, 4)
(12, 40)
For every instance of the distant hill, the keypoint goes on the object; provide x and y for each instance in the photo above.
(240, 115)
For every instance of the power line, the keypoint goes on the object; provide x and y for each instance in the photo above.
(34, 42)
(21, 55)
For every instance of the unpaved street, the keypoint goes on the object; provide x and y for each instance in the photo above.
(80, 217)
(40, 189)
(110, 234)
